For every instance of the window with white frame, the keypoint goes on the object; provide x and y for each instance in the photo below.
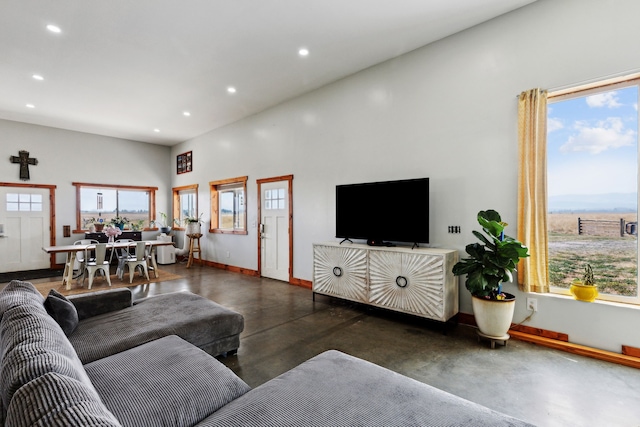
(23, 202)
(185, 203)
(274, 199)
(592, 188)
(228, 206)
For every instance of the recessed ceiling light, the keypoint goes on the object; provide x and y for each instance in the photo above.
(303, 52)
(38, 77)
(156, 130)
(186, 113)
(54, 28)
(231, 89)
(30, 106)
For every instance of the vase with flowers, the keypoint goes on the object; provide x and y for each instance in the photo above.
(112, 232)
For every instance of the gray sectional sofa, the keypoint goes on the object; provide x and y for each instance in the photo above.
(49, 379)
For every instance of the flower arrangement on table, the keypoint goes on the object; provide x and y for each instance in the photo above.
(112, 232)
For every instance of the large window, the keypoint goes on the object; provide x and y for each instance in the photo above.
(592, 179)
(185, 203)
(102, 203)
(228, 206)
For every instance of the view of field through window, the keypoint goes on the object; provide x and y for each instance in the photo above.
(232, 213)
(592, 171)
(104, 204)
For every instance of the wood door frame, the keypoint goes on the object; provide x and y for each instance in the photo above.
(259, 182)
(52, 215)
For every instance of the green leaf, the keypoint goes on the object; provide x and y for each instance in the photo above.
(476, 250)
(486, 241)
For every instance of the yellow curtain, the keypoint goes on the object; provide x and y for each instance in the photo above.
(533, 272)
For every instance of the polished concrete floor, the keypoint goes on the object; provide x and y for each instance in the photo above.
(284, 327)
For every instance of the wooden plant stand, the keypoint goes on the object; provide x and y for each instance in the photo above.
(194, 248)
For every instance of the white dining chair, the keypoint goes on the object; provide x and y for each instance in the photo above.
(139, 259)
(100, 263)
(81, 257)
(123, 256)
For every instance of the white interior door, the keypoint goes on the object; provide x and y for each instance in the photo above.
(274, 229)
(25, 227)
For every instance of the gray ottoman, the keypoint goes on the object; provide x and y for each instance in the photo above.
(197, 320)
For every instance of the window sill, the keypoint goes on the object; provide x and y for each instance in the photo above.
(221, 231)
(569, 297)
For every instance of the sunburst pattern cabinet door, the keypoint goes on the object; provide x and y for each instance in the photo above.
(340, 272)
(411, 283)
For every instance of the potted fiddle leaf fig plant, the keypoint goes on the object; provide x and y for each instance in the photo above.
(585, 290)
(490, 263)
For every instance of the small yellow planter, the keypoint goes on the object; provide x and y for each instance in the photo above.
(584, 292)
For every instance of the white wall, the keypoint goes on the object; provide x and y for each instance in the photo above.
(67, 156)
(447, 112)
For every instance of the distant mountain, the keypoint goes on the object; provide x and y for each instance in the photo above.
(610, 202)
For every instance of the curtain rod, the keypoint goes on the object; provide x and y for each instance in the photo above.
(595, 82)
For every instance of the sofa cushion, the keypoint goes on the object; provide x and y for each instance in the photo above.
(100, 302)
(17, 293)
(191, 317)
(56, 400)
(335, 389)
(62, 311)
(166, 382)
(33, 344)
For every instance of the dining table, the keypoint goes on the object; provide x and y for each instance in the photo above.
(72, 251)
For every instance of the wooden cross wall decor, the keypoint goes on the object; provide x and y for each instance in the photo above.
(24, 160)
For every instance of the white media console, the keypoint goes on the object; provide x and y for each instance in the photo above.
(416, 281)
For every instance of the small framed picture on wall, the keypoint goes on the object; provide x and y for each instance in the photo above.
(183, 162)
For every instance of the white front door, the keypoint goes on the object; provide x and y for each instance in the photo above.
(24, 228)
(274, 229)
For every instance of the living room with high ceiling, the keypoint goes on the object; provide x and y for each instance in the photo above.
(446, 110)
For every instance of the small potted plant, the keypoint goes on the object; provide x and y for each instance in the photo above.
(120, 222)
(99, 225)
(162, 224)
(192, 224)
(585, 289)
(490, 263)
(90, 224)
(137, 225)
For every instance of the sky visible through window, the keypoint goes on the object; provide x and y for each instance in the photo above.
(592, 190)
(592, 152)
(132, 200)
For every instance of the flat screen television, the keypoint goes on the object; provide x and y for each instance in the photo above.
(384, 212)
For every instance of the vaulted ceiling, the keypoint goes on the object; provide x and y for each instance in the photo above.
(133, 69)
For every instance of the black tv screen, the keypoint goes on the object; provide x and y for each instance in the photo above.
(396, 211)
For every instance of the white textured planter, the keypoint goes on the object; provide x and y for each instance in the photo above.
(494, 317)
(192, 228)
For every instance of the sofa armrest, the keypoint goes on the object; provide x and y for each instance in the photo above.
(95, 303)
